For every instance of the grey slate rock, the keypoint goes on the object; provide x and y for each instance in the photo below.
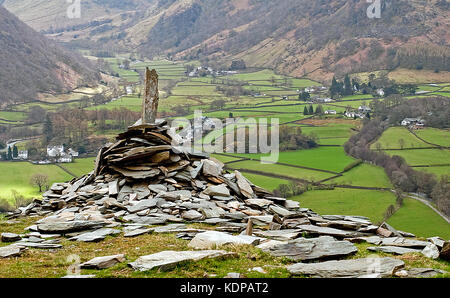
(210, 239)
(69, 226)
(393, 249)
(10, 237)
(368, 267)
(305, 249)
(431, 251)
(167, 260)
(142, 205)
(137, 232)
(10, 251)
(95, 236)
(103, 262)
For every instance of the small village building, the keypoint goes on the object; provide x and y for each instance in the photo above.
(54, 151)
(22, 155)
(364, 109)
(72, 152)
(416, 122)
(129, 90)
(330, 112)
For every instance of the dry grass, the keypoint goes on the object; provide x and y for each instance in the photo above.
(36, 263)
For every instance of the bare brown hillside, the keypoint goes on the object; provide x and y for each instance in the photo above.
(30, 63)
(299, 37)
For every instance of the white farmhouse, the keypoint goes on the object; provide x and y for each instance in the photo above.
(23, 155)
(330, 112)
(54, 151)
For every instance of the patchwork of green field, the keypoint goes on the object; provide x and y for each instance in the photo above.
(417, 218)
(80, 166)
(364, 175)
(196, 91)
(392, 139)
(303, 83)
(332, 141)
(224, 158)
(352, 103)
(19, 174)
(439, 171)
(416, 157)
(323, 158)
(12, 116)
(357, 96)
(263, 75)
(436, 136)
(132, 103)
(275, 169)
(446, 94)
(428, 88)
(334, 130)
(265, 182)
(342, 201)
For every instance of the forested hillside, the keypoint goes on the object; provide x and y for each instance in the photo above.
(30, 63)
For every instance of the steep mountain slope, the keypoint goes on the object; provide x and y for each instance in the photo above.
(30, 63)
(299, 37)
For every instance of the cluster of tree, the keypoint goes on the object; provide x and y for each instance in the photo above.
(238, 65)
(10, 154)
(304, 96)
(344, 88)
(310, 110)
(389, 87)
(71, 126)
(292, 138)
(423, 56)
(233, 90)
(400, 173)
(290, 190)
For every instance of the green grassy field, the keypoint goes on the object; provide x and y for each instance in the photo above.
(438, 171)
(276, 169)
(333, 130)
(323, 158)
(342, 201)
(12, 116)
(80, 166)
(265, 182)
(436, 136)
(19, 174)
(417, 218)
(390, 139)
(423, 156)
(364, 175)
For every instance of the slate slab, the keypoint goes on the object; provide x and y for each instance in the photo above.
(305, 249)
(10, 251)
(10, 237)
(103, 262)
(167, 260)
(368, 267)
(95, 236)
(211, 239)
(69, 226)
(393, 249)
(281, 235)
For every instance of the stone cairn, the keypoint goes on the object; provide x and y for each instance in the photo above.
(146, 178)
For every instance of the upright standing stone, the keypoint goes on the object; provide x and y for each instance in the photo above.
(151, 97)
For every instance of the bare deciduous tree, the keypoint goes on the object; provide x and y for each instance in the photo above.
(39, 180)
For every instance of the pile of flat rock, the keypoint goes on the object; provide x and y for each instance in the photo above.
(146, 183)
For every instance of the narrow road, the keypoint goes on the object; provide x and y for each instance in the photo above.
(412, 196)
